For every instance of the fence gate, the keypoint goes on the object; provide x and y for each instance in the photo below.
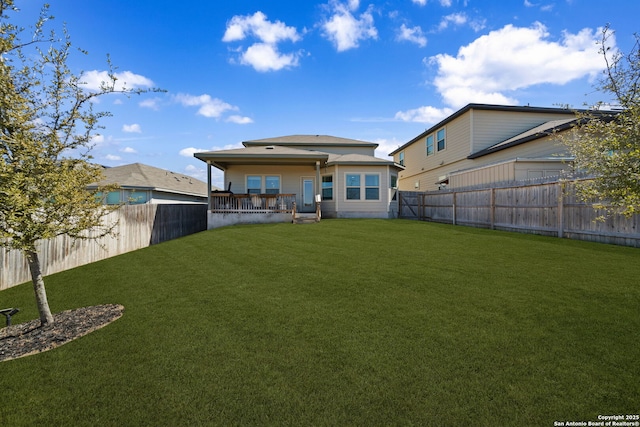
(409, 204)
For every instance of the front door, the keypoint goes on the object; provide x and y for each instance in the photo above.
(308, 196)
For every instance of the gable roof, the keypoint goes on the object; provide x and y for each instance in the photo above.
(306, 140)
(145, 177)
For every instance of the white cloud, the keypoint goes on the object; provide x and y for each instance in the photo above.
(94, 80)
(414, 35)
(97, 139)
(264, 55)
(257, 25)
(443, 3)
(513, 58)
(112, 157)
(209, 107)
(152, 103)
(196, 172)
(190, 151)
(346, 31)
(128, 150)
(386, 146)
(424, 115)
(456, 19)
(132, 128)
(239, 120)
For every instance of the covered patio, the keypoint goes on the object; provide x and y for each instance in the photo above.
(259, 181)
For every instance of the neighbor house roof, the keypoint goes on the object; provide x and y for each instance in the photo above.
(144, 177)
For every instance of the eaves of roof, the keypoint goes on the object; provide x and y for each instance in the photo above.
(270, 154)
(359, 160)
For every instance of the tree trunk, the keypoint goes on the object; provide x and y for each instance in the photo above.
(46, 318)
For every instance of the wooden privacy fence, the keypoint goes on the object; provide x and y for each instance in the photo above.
(138, 226)
(551, 209)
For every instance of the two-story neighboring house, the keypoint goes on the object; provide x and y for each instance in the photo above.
(482, 144)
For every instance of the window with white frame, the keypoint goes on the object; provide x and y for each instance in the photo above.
(353, 186)
(401, 158)
(372, 187)
(440, 137)
(254, 184)
(359, 185)
(272, 184)
(430, 145)
(327, 187)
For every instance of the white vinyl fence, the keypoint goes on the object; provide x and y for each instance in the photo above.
(138, 226)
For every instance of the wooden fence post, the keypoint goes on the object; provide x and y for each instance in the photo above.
(492, 203)
(454, 208)
(560, 209)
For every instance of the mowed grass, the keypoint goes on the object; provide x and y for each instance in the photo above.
(343, 322)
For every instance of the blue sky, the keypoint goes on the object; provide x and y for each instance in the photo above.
(378, 70)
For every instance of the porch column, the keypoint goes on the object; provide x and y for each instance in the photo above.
(208, 185)
(318, 183)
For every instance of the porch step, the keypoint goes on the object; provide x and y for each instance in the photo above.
(305, 218)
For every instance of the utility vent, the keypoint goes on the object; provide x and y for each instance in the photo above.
(269, 147)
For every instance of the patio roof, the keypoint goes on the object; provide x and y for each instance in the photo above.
(262, 155)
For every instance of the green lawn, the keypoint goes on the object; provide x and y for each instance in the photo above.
(343, 322)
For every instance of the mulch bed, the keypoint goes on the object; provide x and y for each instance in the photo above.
(29, 338)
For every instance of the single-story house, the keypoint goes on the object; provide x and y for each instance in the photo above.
(482, 144)
(141, 184)
(275, 179)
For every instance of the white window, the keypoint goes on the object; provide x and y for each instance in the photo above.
(372, 187)
(254, 184)
(362, 186)
(430, 145)
(272, 184)
(441, 140)
(353, 187)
